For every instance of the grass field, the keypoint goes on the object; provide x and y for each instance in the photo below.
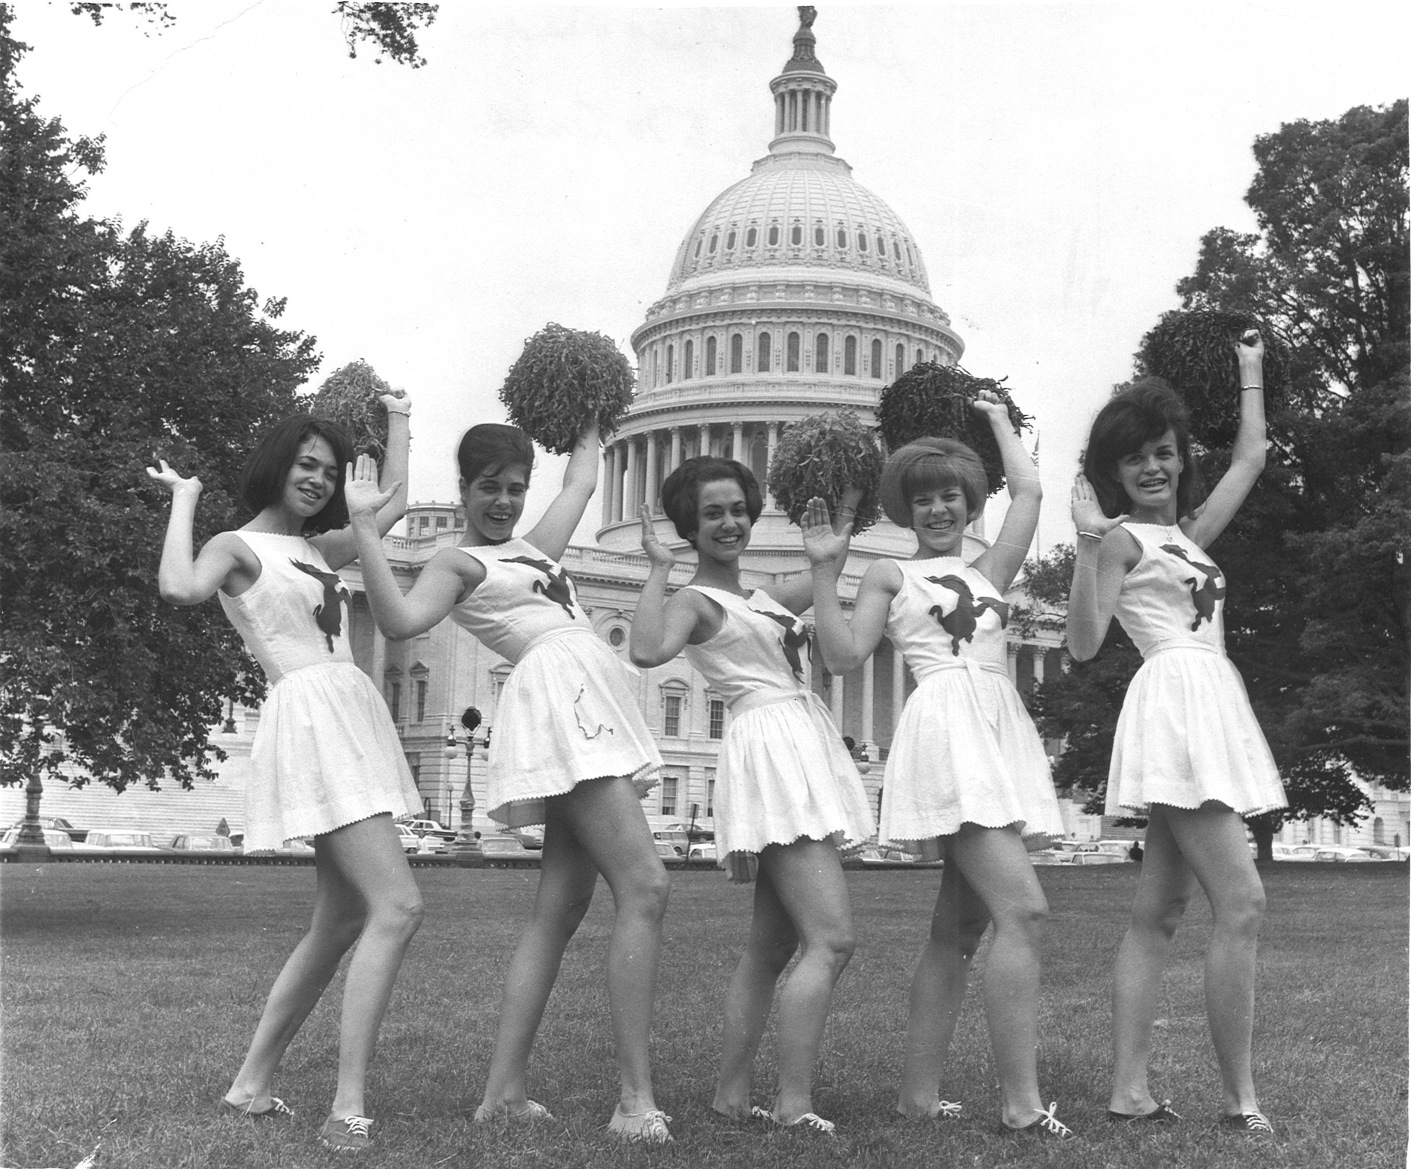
(130, 991)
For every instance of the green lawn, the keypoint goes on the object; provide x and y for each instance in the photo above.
(129, 992)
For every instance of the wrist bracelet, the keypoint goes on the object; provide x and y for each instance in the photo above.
(1243, 388)
(1090, 536)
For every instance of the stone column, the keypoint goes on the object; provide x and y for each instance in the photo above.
(835, 701)
(675, 449)
(705, 438)
(632, 493)
(898, 687)
(737, 442)
(1038, 652)
(868, 701)
(649, 496)
(617, 480)
(379, 657)
(607, 485)
(772, 445)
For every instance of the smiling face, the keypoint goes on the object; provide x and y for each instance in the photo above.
(938, 517)
(494, 501)
(1151, 476)
(312, 479)
(722, 520)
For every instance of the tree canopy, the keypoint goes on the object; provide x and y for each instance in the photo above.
(1318, 618)
(115, 347)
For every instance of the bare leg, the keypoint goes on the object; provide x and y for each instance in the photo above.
(566, 879)
(937, 991)
(598, 826)
(1212, 839)
(340, 913)
(996, 866)
(808, 878)
(771, 944)
(1163, 891)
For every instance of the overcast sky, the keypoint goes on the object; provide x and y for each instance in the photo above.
(1057, 164)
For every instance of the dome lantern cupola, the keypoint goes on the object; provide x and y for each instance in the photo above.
(803, 96)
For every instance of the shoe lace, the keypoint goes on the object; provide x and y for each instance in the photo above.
(654, 1125)
(948, 1110)
(1171, 1112)
(1049, 1121)
(1257, 1122)
(358, 1126)
(814, 1121)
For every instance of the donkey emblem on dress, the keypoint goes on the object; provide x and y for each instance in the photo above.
(558, 587)
(1203, 595)
(328, 615)
(795, 638)
(961, 621)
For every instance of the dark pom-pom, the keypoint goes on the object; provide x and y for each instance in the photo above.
(825, 455)
(935, 401)
(349, 397)
(1194, 350)
(564, 380)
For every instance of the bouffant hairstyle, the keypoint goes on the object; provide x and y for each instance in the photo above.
(680, 494)
(267, 469)
(929, 464)
(489, 448)
(1137, 415)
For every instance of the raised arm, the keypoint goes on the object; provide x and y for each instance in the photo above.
(580, 479)
(796, 593)
(340, 547)
(182, 577)
(1105, 553)
(442, 582)
(1249, 452)
(1000, 563)
(845, 645)
(660, 628)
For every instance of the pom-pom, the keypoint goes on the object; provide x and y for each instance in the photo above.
(1194, 350)
(825, 455)
(564, 380)
(934, 401)
(349, 397)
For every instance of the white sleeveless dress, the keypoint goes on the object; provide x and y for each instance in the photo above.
(1187, 733)
(783, 773)
(965, 750)
(325, 753)
(567, 712)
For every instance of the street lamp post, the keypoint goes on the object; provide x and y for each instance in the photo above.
(467, 844)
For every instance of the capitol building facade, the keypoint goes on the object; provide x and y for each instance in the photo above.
(796, 291)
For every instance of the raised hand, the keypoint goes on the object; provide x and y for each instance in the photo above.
(360, 489)
(1250, 344)
(988, 404)
(1087, 512)
(172, 480)
(821, 543)
(658, 554)
(396, 403)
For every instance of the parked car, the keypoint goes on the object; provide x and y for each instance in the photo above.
(426, 828)
(503, 849)
(1050, 856)
(1295, 852)
(1342, 855)
(409, 840)
(202, 842)
(1386, 852)
(1096, 857)
(1122, 848)
(119, 840)
(877, 854)
(57, 824)
(531, 839)
(702, 852)
(55, 838)
(669, 852)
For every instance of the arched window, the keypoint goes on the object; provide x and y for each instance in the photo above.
(713, 241)
(670, 363)
(842, 239)
(699, 242)
(920, 357)
(688, 360)
(820, 353)
(762, 363)
(750, 237)
(861, 242)
(774, 236)
(710, 357)
(791, 354)
(901, 361)
(796, 235)
(737, 352)
(876, 359)
(850, 356)
(820, 237)
(896, 249)
(730, 241)
(881, 246)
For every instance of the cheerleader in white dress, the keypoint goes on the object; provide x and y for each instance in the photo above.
(570, 751)
(788, 797)
(326, 761)
(967, 779)
(1188, 752)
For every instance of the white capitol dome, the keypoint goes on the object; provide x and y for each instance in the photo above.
(796, 291)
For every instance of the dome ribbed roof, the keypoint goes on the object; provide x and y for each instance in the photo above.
(800, 210)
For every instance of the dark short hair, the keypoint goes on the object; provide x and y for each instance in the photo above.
(928, 464)
(267, 469)
(680, 494)
(1136, 415)
(490, 447)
